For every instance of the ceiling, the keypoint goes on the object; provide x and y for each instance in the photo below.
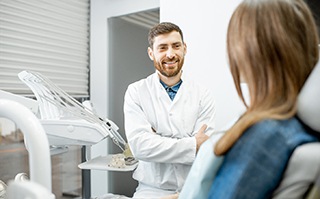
(145, 19)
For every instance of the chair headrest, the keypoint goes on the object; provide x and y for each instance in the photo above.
(309, 100)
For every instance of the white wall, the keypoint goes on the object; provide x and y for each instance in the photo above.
(204, 24)
(101, 10)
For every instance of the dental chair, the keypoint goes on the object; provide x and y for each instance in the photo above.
(302, 176)
(36, 141)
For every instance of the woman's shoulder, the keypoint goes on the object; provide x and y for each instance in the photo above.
(276, 125)
(289, 130)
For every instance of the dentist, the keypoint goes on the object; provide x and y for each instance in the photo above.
(167, 117)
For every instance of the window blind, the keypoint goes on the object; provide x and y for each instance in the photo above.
(49, 37)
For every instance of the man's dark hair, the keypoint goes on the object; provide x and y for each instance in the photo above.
(162, 28)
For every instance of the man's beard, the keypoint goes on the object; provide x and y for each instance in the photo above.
(169, 73)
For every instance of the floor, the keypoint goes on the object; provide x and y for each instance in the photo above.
(66, 176)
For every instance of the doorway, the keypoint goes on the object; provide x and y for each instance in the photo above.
(128, 62)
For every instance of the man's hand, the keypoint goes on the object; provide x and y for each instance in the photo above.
(201, 137)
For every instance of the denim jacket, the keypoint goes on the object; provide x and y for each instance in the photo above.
(253, 167)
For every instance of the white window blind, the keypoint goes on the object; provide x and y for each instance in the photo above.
(46, 36)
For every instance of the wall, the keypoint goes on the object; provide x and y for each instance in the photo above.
(204, 23)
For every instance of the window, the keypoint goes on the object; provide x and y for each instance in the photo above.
(49, 37)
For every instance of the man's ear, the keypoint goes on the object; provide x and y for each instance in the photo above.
(185, 48)
(150, 53)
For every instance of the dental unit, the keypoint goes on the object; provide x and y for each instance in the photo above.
(65, 121)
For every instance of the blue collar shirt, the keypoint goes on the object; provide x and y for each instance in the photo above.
(172, 91)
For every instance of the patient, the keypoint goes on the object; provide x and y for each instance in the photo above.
(272, 46)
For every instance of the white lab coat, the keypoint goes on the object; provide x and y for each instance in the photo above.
(160, 131)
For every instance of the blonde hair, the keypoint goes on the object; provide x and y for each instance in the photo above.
(273, 46)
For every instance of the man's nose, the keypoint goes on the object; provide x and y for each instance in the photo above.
(170, 53)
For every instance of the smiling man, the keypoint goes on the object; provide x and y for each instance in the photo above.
(167, 117)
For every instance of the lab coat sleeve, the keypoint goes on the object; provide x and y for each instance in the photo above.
(207, 113)
(149, 146)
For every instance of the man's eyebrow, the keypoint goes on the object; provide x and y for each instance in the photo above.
(175, 43)
(179, 42)
(161, 45)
